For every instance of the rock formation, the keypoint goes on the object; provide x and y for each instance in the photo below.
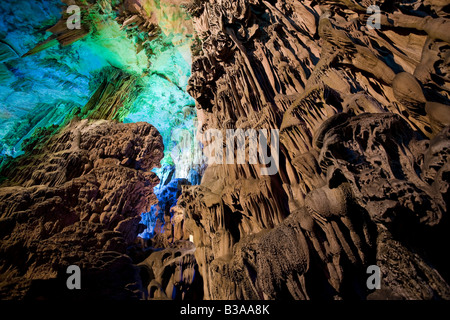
(77, 200)
(363, 116)
(356, 108)
(172, 274)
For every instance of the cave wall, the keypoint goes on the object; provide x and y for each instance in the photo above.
(131, 63)
(77, 200)
(77, 163)
(363, 116)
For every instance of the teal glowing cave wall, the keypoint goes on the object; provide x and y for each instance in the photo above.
(51, 86)
(43, 89)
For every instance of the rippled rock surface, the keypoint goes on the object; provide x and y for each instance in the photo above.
(77, 200)
(363, 176)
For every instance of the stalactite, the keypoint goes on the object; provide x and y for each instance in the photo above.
(334, 101)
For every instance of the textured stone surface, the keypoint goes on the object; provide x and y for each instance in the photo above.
(78, 201)
(364, 167)
(172, 273)
(360, 181)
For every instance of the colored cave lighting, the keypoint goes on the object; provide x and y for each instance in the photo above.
(50, 86)
(45, 88)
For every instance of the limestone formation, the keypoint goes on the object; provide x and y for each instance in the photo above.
(356, 108)
(363, 116)
(77, 201)
(172, 274)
